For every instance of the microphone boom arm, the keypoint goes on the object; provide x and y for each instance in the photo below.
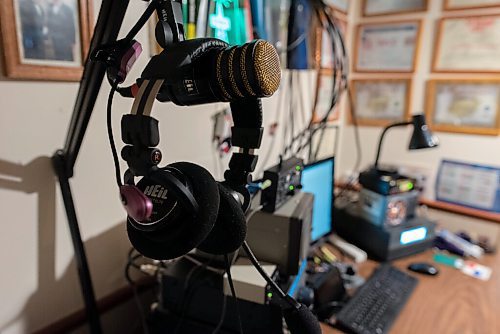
(109, 22)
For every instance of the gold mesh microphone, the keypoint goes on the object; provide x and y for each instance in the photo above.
(249, 70)
(206, 70)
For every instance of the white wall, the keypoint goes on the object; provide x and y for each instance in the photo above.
(38, 277)
(471, 148)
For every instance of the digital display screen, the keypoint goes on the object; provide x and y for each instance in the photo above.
(414, 235)
(317, 179)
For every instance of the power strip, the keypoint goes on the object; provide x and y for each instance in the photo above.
(357, 254)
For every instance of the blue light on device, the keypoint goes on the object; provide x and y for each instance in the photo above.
(317, 178)
(413, 235)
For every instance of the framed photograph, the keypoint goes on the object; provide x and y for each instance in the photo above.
(340, 5)
(469, 4)
(380, 102)
(389, 7)
(323, 98)
(387, 47)
(464, 106)
(45, 39)
(468, 44)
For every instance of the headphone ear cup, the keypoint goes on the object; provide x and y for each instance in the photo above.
(188, 230)
(230, 229)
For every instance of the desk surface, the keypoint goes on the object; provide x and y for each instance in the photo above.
(448, 303)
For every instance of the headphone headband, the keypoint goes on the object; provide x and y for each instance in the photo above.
(143, 102)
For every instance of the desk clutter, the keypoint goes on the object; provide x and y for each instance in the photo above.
(309, 255)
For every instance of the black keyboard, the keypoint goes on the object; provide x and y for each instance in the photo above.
(376, 304)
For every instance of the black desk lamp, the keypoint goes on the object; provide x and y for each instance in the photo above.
(422, 137)
(382, 181)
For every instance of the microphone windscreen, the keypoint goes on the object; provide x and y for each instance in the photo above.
(301, 321)
(249, 70)
(267, 68)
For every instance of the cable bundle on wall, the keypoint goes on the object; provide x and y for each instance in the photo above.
(298, 142)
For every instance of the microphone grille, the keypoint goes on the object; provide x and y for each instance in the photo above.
(267, 67)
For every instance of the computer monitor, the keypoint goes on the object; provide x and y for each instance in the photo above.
(317, 178)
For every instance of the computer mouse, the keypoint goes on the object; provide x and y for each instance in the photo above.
(423, 268)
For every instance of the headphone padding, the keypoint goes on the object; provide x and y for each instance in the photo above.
(190, 230)
(230, 228)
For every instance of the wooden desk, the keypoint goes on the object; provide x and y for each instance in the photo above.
(448, 303)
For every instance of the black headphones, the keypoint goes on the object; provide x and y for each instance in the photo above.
(179, 207)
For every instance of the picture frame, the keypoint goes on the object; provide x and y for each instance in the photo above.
(470, 185)
(380, 102)
(323, 97)
(468, 44)
(46, 39)
(387, 47)
(470, 106)
(469, 4)
(392, 7)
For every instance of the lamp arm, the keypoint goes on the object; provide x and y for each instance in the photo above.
(379, 148)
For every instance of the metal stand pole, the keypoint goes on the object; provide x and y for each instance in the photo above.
(80, 256)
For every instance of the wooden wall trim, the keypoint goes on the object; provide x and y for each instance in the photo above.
(108, 302)
(462, 210)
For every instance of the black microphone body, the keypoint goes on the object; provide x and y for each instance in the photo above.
(206, 70)
(301, 321)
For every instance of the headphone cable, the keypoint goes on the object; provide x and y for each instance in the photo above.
(233, 291)
(114, 87)
(289, 300)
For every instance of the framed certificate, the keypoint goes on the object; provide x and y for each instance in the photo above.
(468, 44)
(380, 102)
(469, 4)
(388, 47)
(388, 7)
(464, 106)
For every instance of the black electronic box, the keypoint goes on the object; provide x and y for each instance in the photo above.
(284, 179)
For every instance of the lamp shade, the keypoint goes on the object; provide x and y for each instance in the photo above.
(422, 136)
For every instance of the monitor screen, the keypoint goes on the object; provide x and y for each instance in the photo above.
(317, 178)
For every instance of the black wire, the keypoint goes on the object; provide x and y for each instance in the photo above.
(142, 20)
(285, 123)
(357, 139)
(110, 134)
(292, 108)
(233, 291)
(264, 161)
(318, 145)
(354, 120)
(189, 291)
(339, 84)
(261, 271)
(223, 314)
(133, 285)
(341, 66)
(303, 120)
